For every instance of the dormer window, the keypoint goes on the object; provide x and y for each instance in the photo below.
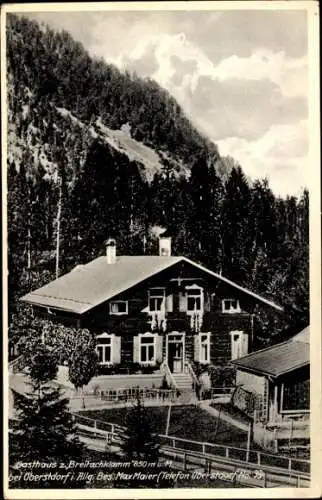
(119, 307)
(230, 306)
(194, 298)
(156, 299)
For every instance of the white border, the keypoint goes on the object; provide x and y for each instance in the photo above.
(312, 9)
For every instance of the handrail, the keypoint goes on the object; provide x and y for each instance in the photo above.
(208, 448)
(130, 394)
(14, 363)
(192, 373)
(165, 370)
(229, 453)
(204, 444)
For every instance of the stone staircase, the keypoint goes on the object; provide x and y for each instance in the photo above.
(183, 381)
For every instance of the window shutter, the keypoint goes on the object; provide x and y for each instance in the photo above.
(136, 349)
(196, 348)
(211, 343)
(182, 302)
(169, 303)
(206, 302)
(116, 349)
(244, 344)
(158, 348)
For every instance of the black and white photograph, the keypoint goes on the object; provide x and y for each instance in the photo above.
(160, 175)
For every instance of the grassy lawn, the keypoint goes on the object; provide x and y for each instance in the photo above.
(231, 410)
(188, 422)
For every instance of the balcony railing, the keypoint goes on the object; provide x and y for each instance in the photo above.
(158, 321)
(196, 320)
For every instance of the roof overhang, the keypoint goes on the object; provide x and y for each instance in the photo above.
(70, 305)
(265, 373)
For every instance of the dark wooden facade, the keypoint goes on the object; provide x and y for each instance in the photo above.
(174, 319)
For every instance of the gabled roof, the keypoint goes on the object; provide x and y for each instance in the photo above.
(280, 358)
(89, 285)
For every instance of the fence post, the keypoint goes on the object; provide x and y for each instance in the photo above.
(289, 464)
(112, 428)
(184, 461)
(203, 447)
(258, 458)
(173, 443)
(227, 452)
(264, 479)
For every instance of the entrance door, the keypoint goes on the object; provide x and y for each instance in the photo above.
(175, 353)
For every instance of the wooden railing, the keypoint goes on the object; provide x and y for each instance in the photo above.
(193, 451)
(97, 425)
(246, 456)
(14, 364)
(188, 368)
(165, 370)
(131, 394)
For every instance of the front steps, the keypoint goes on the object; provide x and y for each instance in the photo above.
(183, 381)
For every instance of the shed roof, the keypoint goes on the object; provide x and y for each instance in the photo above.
(280, 358)
(89, 285)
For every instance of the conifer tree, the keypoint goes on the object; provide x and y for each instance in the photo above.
(139, 444)
(235, 221)
(45, 431)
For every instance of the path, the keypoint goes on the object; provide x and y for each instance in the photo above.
(205, 405)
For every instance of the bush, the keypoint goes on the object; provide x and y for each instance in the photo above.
(221, 375)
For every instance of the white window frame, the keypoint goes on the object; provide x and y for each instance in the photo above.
(146, 335)
(119, 302)
(235, 343)
(231, 310)
(200, 294)
(152, 295)
(105, 336)
(208, 342)
(170, 338)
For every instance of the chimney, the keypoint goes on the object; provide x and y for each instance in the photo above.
(164, 245)
(110, 251)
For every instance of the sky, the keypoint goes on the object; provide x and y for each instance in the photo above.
(240, 76)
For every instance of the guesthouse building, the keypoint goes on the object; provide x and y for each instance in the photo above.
(153, 310)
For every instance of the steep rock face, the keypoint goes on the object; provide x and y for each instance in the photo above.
(61, 99)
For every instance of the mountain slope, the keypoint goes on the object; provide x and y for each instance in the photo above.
(59, 97)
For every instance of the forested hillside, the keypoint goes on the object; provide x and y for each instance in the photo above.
(109, 153)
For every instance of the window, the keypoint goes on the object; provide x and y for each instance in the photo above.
(119, 307)
(204, 347)
(296, 394)
(156, 299)
(230, 306)
(239, 344)
(194, 298)
(147, 348)
(104, 348)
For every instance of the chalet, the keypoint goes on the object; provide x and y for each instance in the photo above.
(153, 309)
(279, 379)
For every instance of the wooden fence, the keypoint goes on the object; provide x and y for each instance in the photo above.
(257, 458)
(130, 394)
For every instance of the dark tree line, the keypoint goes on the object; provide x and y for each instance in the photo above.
(240, 230)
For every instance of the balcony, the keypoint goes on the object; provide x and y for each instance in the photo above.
(177, 322)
